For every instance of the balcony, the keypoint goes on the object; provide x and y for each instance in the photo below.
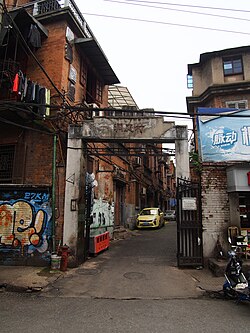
(44, 7)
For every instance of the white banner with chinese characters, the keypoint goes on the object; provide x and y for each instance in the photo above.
(224, 134)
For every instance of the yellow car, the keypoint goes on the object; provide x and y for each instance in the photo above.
(150, 218)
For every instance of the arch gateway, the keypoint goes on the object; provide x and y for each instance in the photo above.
(103, 130)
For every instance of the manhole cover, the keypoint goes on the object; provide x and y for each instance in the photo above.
(134, 275)
(88, 271)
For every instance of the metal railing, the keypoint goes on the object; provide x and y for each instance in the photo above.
(48, 6)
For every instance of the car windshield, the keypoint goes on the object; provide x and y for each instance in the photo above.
(149, 212)
(170, 212)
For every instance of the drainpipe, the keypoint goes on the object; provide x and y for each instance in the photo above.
(54, 196)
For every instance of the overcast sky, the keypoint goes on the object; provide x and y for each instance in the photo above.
(151, 58)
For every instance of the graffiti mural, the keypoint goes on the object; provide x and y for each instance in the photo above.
(25, 221)
(103, 217)
(100, 210)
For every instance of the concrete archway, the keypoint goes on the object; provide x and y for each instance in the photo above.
(101, 129)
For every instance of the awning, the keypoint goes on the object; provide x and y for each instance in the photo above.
(96, 55)
(23, 20)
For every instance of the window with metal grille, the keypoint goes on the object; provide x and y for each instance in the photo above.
(232, 66)
(7, 154)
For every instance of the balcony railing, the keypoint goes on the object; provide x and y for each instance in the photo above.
(41, 7)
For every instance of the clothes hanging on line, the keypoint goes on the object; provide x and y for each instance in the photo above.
(31, 92)
(34, 37)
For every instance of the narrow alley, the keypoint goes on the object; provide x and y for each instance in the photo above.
(143, 266)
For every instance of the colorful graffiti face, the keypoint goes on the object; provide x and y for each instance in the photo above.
(21, 225)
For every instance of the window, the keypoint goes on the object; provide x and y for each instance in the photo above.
(237, 104)
(94, 87)
(98, 91)
(7, 154)
(232, 66)
(83, 73)
(190, 83)
(71, 91)
(72, 74)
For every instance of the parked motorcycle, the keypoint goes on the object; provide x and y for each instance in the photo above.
(236, 286)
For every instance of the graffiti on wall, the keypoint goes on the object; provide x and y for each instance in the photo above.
(25, 220)
(101, 210)
(103, 216)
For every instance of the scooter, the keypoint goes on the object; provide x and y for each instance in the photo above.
(236, 286)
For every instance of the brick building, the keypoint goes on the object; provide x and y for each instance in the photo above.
(55, 74)
(221, 91)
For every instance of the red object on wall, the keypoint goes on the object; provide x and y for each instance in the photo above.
(99, 243)
(248, 178)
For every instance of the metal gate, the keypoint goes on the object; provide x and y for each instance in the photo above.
(189, 224)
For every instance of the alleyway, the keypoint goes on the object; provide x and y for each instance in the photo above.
(140, 267)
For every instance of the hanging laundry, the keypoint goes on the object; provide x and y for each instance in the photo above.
(15, 83)
(25, 88)
(21, 84)
(47, 100)
(36, 95)
(42, 101)
(34, 37)
(29, 92)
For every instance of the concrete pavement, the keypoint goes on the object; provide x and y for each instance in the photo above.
(120, 273)
(87, 278)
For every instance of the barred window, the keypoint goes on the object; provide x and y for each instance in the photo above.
(7, 154)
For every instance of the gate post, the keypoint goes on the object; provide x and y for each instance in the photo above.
(74, 206)
(181, 152)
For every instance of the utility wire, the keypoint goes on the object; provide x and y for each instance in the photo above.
(167, 23)
(134, 3)
(189, 6)
(140, 112)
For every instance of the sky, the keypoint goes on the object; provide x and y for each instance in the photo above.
(150, 52)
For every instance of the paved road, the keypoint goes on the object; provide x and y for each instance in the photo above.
(133, 287)
(28, 313)
(141, 267)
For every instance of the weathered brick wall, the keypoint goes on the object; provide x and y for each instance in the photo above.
(51, 57)
(215, 206)
(39, 156)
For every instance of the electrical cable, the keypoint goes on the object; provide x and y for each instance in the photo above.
(134, 3)
(141, 112)
(189, 6)
(168, 23)
(25, 127)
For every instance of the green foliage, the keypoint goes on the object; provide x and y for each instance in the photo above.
(195, 161)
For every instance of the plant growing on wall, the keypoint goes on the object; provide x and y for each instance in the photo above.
(195, 161)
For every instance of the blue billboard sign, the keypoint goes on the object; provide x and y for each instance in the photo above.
(224, 134)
